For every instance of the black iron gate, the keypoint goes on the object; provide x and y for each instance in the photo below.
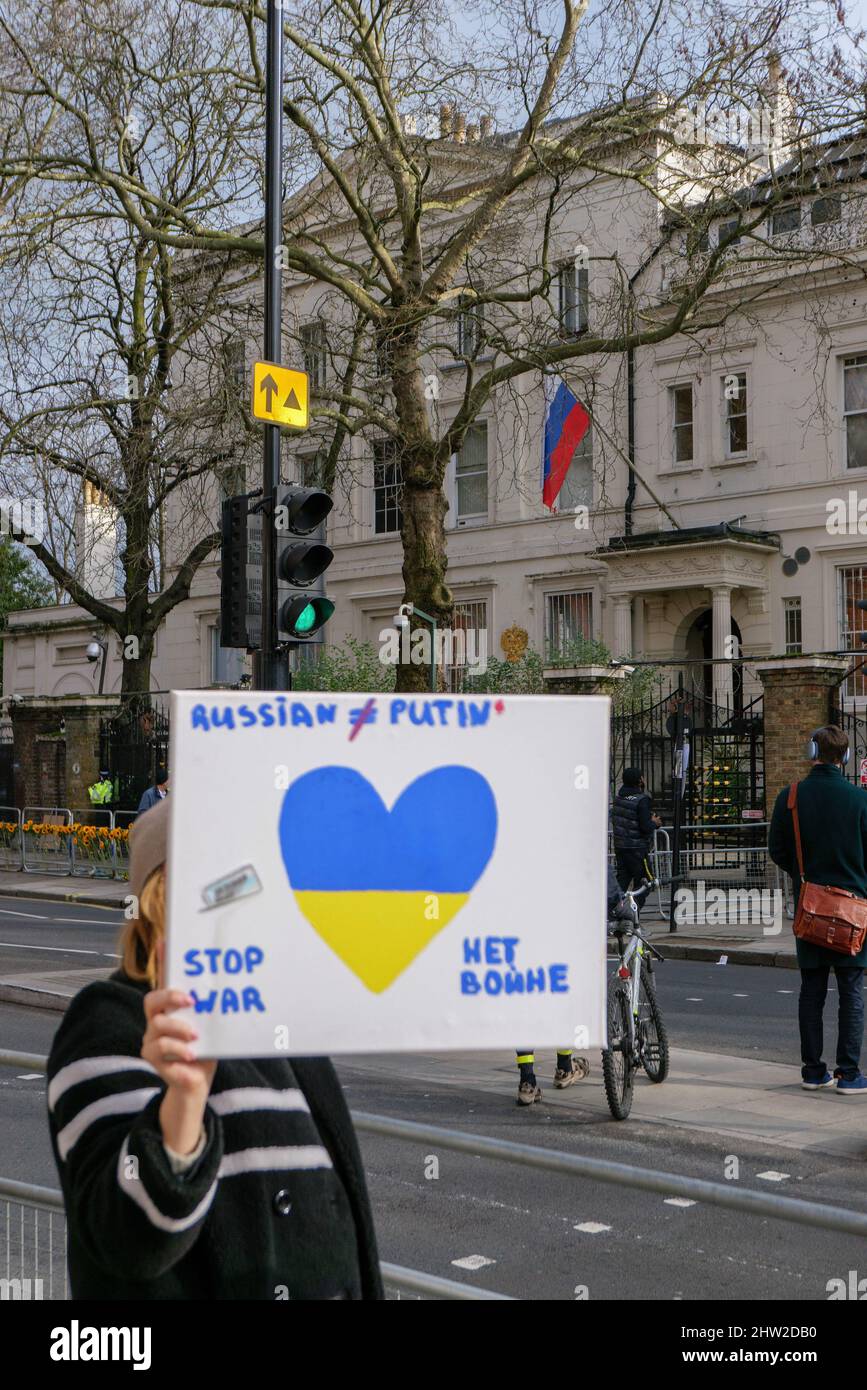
(133, 744)
(726, 771)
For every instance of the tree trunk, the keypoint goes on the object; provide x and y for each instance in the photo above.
(425, 561)
(136, 670)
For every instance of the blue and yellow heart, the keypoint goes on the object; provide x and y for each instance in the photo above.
(378, 885)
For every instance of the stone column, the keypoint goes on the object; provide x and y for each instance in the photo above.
(622, 624)
(723, 687)
(798, 693)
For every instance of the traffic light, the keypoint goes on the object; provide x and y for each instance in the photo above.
(302, 559)
(233, 573)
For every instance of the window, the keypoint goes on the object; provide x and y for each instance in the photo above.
(313, 346)
(682, 422)
(568, 619)
(573, 290)
(855, 410)
(470, 327)
(786, 220)
(852, 622)
(577, 489)
(386, 488)
(310, 468)
(471, 475)
(235, 366)
(828, 209)
(792, 621)
(736, 430)
(469, 643)
(729, 229)
(227, 663)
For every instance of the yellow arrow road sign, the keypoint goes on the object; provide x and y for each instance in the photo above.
(280, 395)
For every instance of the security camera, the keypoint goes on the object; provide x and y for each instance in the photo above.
(93, 651)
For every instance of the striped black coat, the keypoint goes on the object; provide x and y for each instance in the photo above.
(276, 1205)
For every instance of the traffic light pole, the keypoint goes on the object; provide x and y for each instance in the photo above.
(270, 669)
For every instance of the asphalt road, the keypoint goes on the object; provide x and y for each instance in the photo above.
(530, 1234)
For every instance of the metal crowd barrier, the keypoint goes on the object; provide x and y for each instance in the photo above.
(733, 858)
(769, 1204)
(89, 842)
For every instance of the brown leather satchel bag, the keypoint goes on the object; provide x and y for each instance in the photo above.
(830, 917)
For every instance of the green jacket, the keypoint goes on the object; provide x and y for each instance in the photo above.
(832, 813)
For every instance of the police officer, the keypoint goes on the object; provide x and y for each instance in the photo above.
(632, 825)
(102, 790)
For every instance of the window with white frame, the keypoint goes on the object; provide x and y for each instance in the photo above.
(826, 209)
(235, 366)
(682, 408)
(310, 467)
(852, 621)
(577, 488)
(736, 415)
(470, 327)
(315, 350)
(468, 643)
(226, 663)
(573, 298)
(792, 626)
(855, 410)
(786, 220)
(471, 475)
(387, 487)
(729, 229)
(568, 619)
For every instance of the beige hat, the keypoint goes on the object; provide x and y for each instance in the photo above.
(148, 845)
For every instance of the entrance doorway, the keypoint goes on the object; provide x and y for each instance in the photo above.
(699, 651)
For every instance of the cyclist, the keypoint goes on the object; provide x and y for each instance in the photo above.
(569, 1068)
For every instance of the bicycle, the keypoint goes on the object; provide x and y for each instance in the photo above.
(636, 1031)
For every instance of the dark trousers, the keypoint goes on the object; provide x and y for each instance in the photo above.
(850, 1020)
(630, 867)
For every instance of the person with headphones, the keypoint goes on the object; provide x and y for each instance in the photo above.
(832, 820)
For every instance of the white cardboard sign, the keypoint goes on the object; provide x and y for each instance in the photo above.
(363, 873)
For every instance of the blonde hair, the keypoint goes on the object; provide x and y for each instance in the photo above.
(142, 934)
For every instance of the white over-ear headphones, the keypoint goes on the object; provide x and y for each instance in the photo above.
(813, 750)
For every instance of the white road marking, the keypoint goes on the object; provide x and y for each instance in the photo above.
(679, 1202)
(473, 1262)
(740, 996)
(690, 999)
(29, 1076)
(789, 991)
(35, 916)
(63, 950)
(591, 1228)
(773, 1176)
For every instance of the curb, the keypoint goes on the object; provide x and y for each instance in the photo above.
(45, 895)
(785, 960)
(34, 998)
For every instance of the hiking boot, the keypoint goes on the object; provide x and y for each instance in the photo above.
(579, 1069)
(529, 1092)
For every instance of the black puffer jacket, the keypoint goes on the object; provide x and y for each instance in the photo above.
(631, 823)
(275, 1207)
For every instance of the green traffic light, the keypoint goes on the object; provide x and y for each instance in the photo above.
(306, 618)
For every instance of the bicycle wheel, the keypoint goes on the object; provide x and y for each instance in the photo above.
(618, 1068)
(652, 1037)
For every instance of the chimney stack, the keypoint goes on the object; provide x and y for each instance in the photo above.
(445, 120)
(486, 125)
(472, 134)
(459, 127)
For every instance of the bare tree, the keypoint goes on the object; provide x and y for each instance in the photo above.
(440, 245)
(99, 314)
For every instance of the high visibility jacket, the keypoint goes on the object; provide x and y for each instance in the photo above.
(100, 793)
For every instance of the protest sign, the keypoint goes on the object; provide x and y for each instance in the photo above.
(360, 873)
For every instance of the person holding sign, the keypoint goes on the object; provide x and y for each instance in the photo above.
(193, 1179)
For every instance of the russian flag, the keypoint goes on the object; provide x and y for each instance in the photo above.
(566, 423)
